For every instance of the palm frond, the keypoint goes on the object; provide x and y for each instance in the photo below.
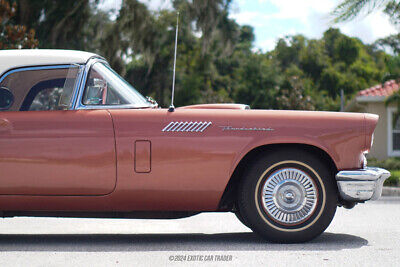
(349, 9)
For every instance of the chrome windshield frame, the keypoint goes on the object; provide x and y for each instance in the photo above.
(78, 105)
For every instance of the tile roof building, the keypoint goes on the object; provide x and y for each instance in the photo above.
(387, 132)
(387, 89)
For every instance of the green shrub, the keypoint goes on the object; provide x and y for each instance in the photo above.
(390, 164)
(394, 179)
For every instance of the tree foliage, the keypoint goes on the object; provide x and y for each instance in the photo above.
(13, 35)
(58, 24)
(217, 61)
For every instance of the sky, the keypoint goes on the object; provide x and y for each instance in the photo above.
(273, 19)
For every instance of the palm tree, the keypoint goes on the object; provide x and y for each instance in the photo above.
(350, 9)
(218, 33)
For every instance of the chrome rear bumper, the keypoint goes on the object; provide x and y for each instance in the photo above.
(361, 185)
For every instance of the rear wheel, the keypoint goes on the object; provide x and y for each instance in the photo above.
(288, 196)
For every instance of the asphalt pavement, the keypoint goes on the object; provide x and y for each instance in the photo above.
(368, 235)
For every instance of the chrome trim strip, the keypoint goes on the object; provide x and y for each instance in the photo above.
(194, 124)
(78, 103)
(77, 86)
(181, 126)
(47, 67)
(230, 128)
(176, 126)
(125, 106)
(166, 127)
(205, 126)
(173, 126)
(198, 126)
(186, 127)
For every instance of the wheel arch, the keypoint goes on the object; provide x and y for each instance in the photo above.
(227, 202)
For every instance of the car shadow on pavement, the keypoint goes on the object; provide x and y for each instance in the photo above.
(245, 241)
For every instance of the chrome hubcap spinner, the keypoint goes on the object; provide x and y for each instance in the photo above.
(289, 196)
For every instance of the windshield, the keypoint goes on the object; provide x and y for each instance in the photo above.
(105, 87)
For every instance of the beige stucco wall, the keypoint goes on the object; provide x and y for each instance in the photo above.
(380, 148)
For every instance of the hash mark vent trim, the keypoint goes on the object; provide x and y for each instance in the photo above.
(180, 126)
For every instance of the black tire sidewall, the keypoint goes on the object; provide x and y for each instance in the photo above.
(241, 219)
(258, 219)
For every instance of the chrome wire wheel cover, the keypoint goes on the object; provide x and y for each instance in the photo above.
(289, 196)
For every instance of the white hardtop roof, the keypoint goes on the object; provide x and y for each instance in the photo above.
(10, 59)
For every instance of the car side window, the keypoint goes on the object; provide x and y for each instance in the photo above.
(104, 87)
(99, 90)
(48, 95)
(41, 88)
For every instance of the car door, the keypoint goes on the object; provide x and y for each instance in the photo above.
(45, 147)
(159, 170)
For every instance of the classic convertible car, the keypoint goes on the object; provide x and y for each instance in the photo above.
(76, 140)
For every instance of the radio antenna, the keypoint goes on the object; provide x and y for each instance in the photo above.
(172, 107)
